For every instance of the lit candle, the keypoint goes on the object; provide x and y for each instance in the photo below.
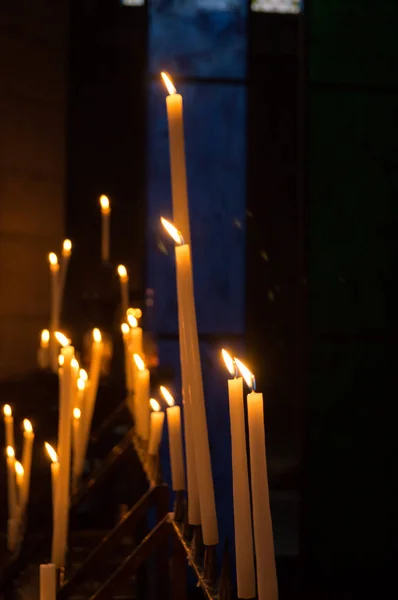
(142, 398)
(267, 584)
(54, 318)
(156, 428)
(128, 358)
(177, 158)
(175, 441)
(76, 442)
(64, 452)
(19, 473)
(124, 287)
(65, 256)
(43, 353)
(81, 386)
(91, 390)
(245, 573)
(9, 425)
(54, 474)
(105, 230)
(186, 298)
(28, 438)
(48, 582)
(11, 483)
(135, 333)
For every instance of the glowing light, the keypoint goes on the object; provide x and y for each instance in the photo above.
(81, 384)
(45, 336)
(61, 360)
(122, 272)
(74, 364)
(167, 396)
(246, 373)
(83, 374)
(125, 328)
(77, 413)
(168, 83)
(105, 204)
(19, 468)
(229, 361)
(62, 339)
(66, 247)
(51, 452)
(139, 362)
(172, 231)
(154, 405)
(7, 410)
(97, 337)
(10, 452)
(27, 425)
(53, 258)
(132, 321)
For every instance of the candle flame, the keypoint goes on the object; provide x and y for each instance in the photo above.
(7, 410)
(61, 360)
(81, 384)
(19, 468)
(51, 452)
(105, 204)
(172, 231)
(77, 413)
(132, 321)
(62, 339)
(137, 313)
(125, 328)
(53, 258)
(10, 452)
(45, 336)
(27, 425)
(167, 396)
(67, 247)
(229, 361)
(139, 362)
(83, 374)
(246, 373)
(122, 272)
(74, 364)
(154, 405)
(168, 83)
(97, 337)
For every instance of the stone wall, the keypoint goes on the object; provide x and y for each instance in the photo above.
(33, 68)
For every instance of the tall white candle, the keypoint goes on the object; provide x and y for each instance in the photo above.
(92, 389)
(175, 441)
(105, 227)
(267, 584)
(81, 404)
(54, 311)
(48, 582)
(76, 444)
(245, 573)
(11, 483)
(28, 439)
(9, 426)
(20, 476)
(54, 476)
(43, 357)
(142, 398)
(156, 427)
(65, 256)
(128, 358)
(124, 288)
(136, 346)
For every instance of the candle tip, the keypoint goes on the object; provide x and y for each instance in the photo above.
(168, 83)
(10, 452)
(139, 362)
(104, 202)
(67, 246)
(229, 362)
(122, 271)
(51, 452)
(45, 336)
(27, 425)
(154, 405)
(53, 258)
(167, 396)
(7, 410)
(172, 231)
(19, 468)
(97, 337)
(62, 339)
(125, 328)
(247, 375)
(77, 413)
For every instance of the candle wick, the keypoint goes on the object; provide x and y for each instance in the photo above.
(253, 383)
(236, 369)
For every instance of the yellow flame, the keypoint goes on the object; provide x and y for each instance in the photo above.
(7, 410)
(19, 468)
(172, 231)
(168, 83)
(154, 405)
(67, 246)
(51, 452)
(61, 360)
(105, 204)
(245, 372)
(62, 339)
(53, 258)
(81, 384)
(229, 361)
(74, 364)
(27, 425)
(10, 452)
(137, 313)
(122, 272)
(77, 413)
(132, 321)
(125, 328)
(167, 396)
(139, 362)
(83, 374)
(97, 337)
(45, 336)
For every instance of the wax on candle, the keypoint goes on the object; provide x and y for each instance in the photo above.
(54, 474)
(141, 398)
(19, 472)
(91, 390)
(65, 256)
(128, 364)
(9, 425)
(136, 346)
(105, 233)
(124, 287)
(54, 319)
(267, 584)
(156, 427)
(175, 441)
(11, 483)
(43, 353)
(28, 439)
(76, 443)
(245, 572)
(48, 582)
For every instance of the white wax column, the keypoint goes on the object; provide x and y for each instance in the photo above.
(66, 252)
(12, 534)
(9, 429)
(199, 423)
(175, 447)
(156, 430)
(28, 439)
(20, 476)
(54, 485)
(241, 493)
(48, 582)
(11, 487)
(128, 366)
(142, 404)
(54, 318)
(136, 340)
(64, 454)
(124, 290)
(105, 231)
(267, 584)
(76, 447)
(91, 390)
